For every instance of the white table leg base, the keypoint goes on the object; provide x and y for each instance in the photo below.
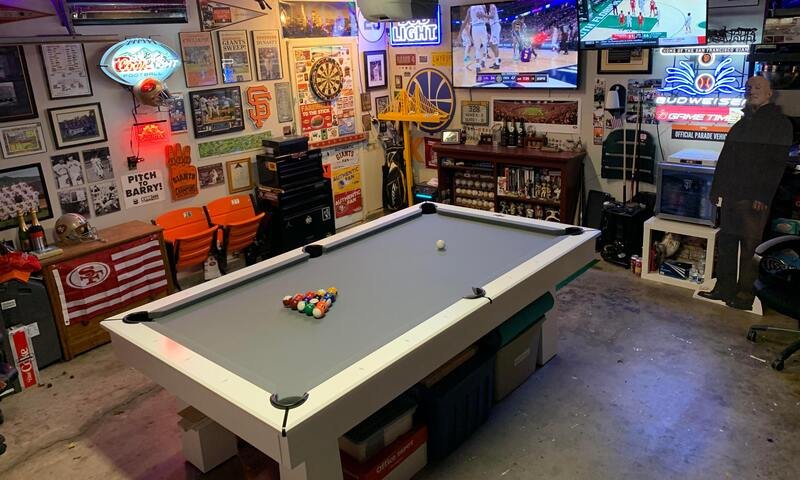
(326, 464)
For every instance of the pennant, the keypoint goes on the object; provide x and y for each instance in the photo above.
(216, 15)
(10, 14)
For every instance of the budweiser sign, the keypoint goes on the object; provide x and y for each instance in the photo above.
(130, 61)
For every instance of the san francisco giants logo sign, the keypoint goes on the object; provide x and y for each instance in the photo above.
(258, 97)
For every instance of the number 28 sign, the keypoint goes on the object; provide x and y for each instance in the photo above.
(474, 112)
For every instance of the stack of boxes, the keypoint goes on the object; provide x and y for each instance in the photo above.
(294, 193)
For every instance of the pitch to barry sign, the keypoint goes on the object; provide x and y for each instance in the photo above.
(132, 60)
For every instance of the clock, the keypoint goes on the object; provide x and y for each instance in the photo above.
(326, 78)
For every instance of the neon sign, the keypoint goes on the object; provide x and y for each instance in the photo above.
(426, 31)
(130, 61)
(708, 90)
(151, 132)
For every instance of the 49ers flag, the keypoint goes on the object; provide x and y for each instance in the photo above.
(110, 279)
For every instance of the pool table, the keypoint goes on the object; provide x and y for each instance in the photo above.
(291, 384)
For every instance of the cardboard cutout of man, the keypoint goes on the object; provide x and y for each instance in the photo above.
(749, 170)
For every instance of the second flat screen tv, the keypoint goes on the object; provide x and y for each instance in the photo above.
(522, 44)
(642, 23)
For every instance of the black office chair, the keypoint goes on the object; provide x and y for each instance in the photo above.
(777, 286)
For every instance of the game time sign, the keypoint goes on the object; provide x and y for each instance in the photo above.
(704, 84)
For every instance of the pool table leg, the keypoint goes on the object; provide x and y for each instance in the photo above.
(325, 464)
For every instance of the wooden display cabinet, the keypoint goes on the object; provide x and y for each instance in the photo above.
(478, 162)
(80, 336)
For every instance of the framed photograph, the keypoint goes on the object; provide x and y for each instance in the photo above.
(375, 69)
(23, 188)
(97, 163)
(66, 70)
(15, 86)
(450, 137)
(624, 61)
(234, 52)
(398, 82)
(105, 198)
(197, 52)
(211, 175)
(474, 112)
(74, 201)
(77, 125)
(284, 101)
(21, 140)
(177, 114)
(266, 46)
(381, 104)
(216, 111)
(240, 176)
(366, 102)
(67, 170)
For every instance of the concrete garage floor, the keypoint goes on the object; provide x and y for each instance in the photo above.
(648, 383)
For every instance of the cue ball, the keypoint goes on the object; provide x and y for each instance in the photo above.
(440, 244)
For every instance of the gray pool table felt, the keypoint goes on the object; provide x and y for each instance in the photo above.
(388, 283)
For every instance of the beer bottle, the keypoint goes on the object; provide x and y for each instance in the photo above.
(22, 232)
(513, 136)
(504, 134)
(523, 135)
(36, 234)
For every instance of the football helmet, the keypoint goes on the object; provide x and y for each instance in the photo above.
(74, 228)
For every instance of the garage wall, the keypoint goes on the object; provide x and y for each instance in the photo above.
(116, 106)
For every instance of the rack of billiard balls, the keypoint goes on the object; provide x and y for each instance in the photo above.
(315, 303)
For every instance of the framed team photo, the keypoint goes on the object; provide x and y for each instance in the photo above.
(23, 188)
(21, 140)
(375, 73)
(77, 125)
(216, 111)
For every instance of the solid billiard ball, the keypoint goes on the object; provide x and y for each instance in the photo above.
(333, 291)
(301, 305)
(320, 292)
(440, 244)
(309, 308)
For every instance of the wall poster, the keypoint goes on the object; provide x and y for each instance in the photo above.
(345, 173)
(266, 46)
(142, 188)
(552, 115)
(197, 52)
(319, 19)
(326, 122)
(234, 50)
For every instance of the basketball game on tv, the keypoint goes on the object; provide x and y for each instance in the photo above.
(523, 44)
(642, 23)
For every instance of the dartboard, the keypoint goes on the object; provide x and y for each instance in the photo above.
(436, 87)
(326, 78)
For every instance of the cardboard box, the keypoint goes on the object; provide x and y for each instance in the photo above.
(206, 443)
(380, 429)
(401, 460)
(516, 361)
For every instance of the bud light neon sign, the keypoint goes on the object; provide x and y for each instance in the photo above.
(426, 31)
(132, 60)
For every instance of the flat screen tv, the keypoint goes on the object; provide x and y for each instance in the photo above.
(521, 44)
(642, 23)
(784, 8)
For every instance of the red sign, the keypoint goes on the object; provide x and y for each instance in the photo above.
(405, 59)
(684, 113)
(151, 132)
(347, 203)
(315, 116)
(110, 279)
(431, 159)
(24, 358)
